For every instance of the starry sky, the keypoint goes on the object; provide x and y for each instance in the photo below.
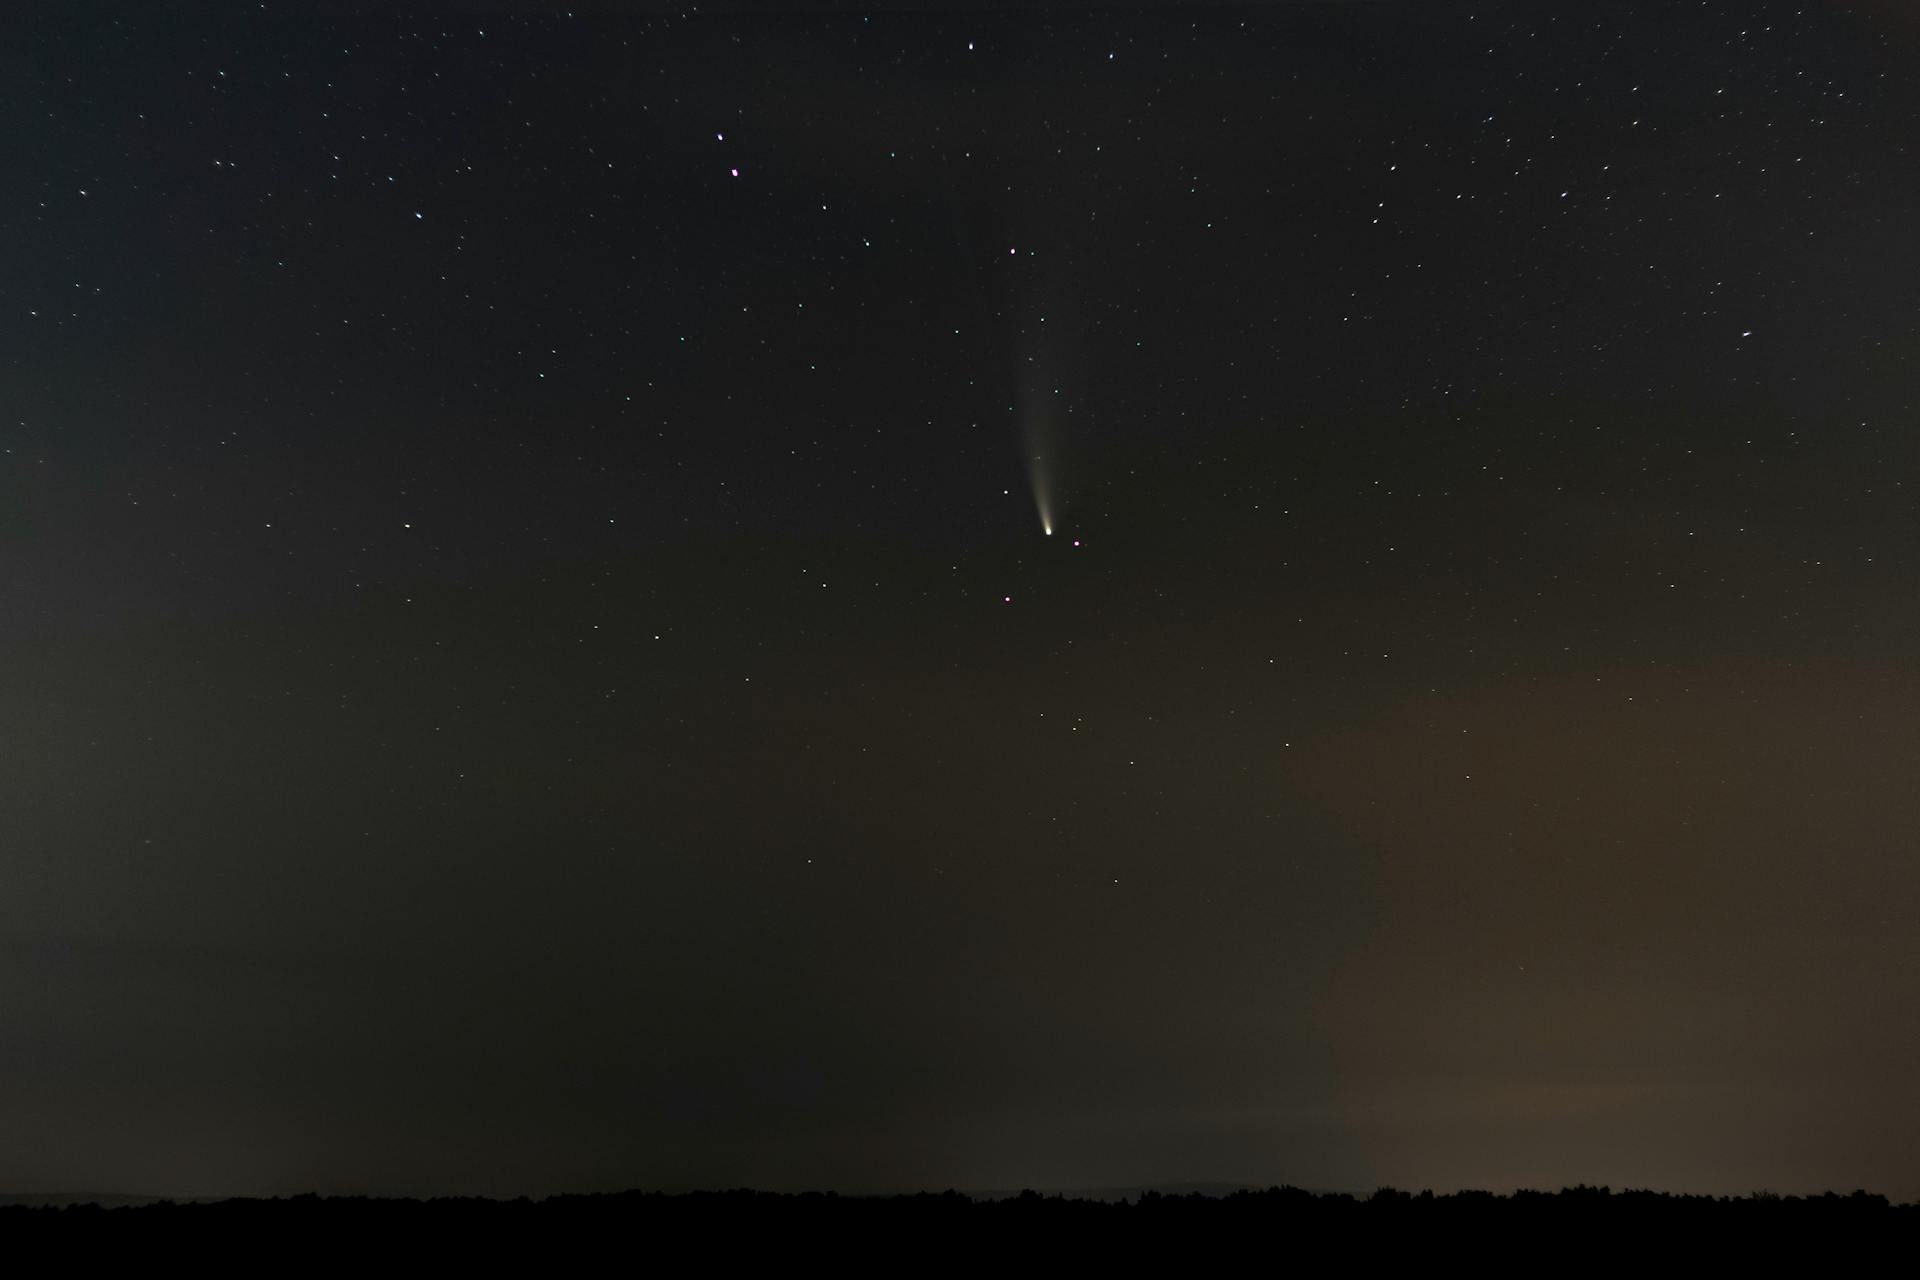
(532, 656)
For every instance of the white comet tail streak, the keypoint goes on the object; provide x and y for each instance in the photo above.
(1042, 500)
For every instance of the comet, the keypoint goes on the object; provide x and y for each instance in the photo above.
(1042, 497)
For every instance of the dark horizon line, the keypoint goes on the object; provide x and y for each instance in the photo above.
(1117, 1195)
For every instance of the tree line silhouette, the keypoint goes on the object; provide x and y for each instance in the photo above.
(920, 1231)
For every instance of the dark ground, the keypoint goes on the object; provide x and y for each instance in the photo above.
(930, 1231)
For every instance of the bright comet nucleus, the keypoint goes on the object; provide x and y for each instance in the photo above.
(1042, 495)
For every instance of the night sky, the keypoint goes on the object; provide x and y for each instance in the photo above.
(532, 656)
